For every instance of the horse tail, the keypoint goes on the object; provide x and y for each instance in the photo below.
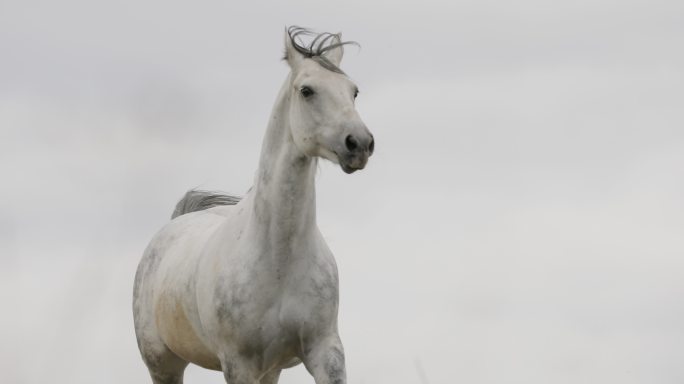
(198, 200)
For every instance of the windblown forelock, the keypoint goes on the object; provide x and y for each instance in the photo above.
(315, 50)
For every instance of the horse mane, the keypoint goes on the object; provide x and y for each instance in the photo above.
(199, 200)
(315, 50)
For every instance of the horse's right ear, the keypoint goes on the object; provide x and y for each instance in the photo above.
(292, 56)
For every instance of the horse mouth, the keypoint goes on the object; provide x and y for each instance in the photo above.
(348, 169)
(351, 163)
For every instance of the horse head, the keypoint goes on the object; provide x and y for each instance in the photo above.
(323, 117)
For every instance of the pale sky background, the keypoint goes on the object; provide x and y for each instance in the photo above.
(522, 220)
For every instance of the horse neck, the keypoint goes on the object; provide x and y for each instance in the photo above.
(284, 190)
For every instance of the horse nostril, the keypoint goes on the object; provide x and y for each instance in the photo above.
(371, 146)
(351, 143)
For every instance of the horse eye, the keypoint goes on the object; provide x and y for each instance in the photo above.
(306, 91)
(356, 93)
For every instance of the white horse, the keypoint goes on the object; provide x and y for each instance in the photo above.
(249, 287)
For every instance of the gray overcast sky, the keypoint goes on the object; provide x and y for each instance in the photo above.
(522, 220)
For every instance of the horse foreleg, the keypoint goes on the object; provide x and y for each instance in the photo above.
(164, 366)
(271, 377)
(238, 370)
(325, 361)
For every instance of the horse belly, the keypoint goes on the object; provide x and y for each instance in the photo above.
(180, 336)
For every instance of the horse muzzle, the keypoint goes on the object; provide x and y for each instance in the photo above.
(357, 151)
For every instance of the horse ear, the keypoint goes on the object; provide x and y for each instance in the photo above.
(292, 56)
(335, 54)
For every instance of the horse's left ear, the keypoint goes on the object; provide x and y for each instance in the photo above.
(292, 56)
(335, 54)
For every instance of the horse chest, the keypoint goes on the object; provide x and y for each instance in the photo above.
(299, 314)
(274, 306)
